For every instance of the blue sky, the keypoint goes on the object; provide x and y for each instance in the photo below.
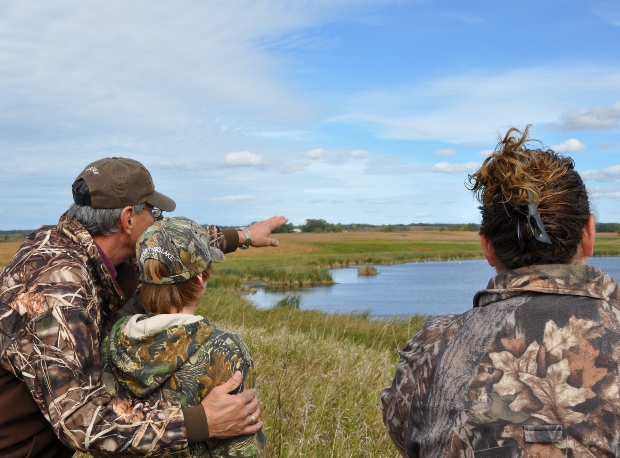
(351, 111)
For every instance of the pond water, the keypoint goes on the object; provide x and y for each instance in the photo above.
(431, 288)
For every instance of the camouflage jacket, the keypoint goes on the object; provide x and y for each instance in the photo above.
(57, 299)
(531, 371)
(179, 357)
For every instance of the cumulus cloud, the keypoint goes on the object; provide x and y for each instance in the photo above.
(597, 118)
(445, 152)
(243, 159)
(606, 174)
(572, 145)
(317, 153)
(232, 199)
(446, 167)
(359, 154)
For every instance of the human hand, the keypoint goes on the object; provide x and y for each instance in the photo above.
(231, 415)
(261, 232)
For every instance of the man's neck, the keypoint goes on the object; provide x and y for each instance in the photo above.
(114, 248)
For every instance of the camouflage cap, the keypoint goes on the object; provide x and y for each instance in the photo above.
(181, 244)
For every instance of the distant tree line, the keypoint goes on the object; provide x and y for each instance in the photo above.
(14, 236)
(320, 225)
(608, 227)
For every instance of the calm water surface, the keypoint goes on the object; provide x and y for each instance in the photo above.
(431, 288)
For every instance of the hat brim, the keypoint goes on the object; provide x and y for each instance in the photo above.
(158, 200)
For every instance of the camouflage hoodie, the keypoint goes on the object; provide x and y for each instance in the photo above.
(531, 371)
(57, 299)
(179, 357)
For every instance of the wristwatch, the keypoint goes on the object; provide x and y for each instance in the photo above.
(248, 237)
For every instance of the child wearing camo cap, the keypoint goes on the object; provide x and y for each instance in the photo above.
(172, 354)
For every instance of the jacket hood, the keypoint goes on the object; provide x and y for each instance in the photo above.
(145, 351)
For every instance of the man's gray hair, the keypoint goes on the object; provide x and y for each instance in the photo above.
(99, 221)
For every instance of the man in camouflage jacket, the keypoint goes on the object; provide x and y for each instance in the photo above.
(58, 297)
(531, 371)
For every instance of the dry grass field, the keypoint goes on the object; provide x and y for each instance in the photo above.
(7, 250)
(304, 243)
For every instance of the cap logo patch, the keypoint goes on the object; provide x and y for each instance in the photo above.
(155, 249)
(92, 169)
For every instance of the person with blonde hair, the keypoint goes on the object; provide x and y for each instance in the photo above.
(533, 369)
(171, 354)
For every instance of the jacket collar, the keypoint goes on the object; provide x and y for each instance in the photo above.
(563, 279)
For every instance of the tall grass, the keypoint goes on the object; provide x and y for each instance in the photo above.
(319, 375)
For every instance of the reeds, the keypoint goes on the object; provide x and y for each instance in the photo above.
(367, 270)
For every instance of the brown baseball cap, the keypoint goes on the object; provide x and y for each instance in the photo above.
(115, 182)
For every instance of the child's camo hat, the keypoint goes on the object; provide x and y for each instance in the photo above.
(181, 244)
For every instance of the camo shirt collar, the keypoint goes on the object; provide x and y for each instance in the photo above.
(563, 279)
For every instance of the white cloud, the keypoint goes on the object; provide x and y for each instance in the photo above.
(606, 174)
(233, 199)
(599, 118)
(243, 159)
(572, 145)
(445, 152)
(607, 194)
(317, 153)
(445, 167)
(478, 105)
(485, 152)
(292, 167)
(359, 154)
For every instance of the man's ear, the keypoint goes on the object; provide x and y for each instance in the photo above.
(126, 219)
(589, 235)
(488, 250)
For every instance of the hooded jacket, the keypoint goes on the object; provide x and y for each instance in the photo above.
(531, 371)
(57, 301)
(180, 358)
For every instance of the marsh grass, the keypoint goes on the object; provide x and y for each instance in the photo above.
(367, 270)
(305, 259)
(291, 300)
(319, 256)
(319, 375)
